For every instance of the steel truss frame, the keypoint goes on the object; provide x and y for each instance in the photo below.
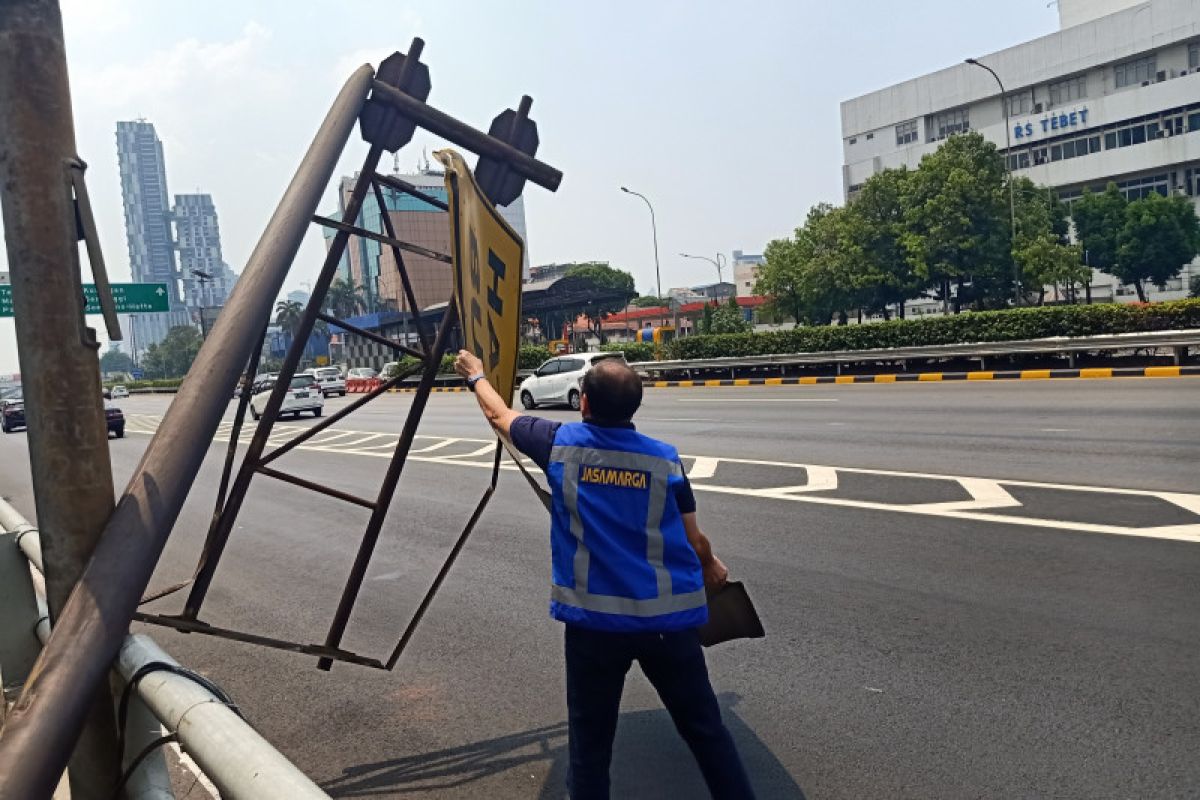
(403, 109)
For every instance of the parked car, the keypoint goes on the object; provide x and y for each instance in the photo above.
(330, 380)
(115, 417)
(13, 418)
(557, 380)
(12, 415)
(119, 392)
(303, 394)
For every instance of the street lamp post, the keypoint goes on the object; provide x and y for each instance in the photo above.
(654, 231)
(715, 262)
(204, 278)
(1012, 201)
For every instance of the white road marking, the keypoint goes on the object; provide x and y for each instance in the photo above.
(986, 493)
(1059, 430)
(186, 761)
(756, 400)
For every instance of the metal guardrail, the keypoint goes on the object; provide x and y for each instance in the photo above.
(235, 757)
(1071, 345)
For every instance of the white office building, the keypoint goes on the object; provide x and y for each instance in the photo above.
(1114, 95)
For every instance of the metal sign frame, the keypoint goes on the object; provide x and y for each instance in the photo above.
(387, 117)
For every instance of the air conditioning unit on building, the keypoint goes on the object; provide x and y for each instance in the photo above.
(1037, 108)
(1161, 76)
(1145, 83)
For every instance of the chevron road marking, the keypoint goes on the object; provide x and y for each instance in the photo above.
(986, 494)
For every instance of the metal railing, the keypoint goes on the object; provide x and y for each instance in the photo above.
(230, 753)
(1178, 341)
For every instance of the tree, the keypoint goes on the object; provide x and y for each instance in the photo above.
(779, 279)
(1045, 261)
(706, 319)
(288, 314)
(1195, 286)
(649, 301)
(1160, 236)
(115, 361)
(345, 298)
(596, 308)
(1099, 218)
(728, 318)
(957, 228)
(880, 273)
(173, 356)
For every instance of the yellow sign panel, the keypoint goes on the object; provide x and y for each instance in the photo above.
(488, 255)
(322, 360)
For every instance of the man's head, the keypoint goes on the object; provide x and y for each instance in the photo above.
(612, 392)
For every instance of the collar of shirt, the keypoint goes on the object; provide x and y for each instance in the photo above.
(627, 424)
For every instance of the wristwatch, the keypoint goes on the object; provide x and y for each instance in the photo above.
(474, 379)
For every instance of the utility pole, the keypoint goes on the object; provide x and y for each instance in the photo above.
(68, 438)
(204, 278)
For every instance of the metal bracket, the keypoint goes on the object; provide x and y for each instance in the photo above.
(85, 225)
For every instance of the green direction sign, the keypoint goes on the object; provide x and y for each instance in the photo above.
(130, 298)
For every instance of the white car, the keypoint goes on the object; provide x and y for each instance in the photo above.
(558, 380)
(362, 372)
(330, 380)
(118, 392)
(303, 394)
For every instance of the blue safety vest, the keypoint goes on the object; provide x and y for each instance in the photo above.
(621, 558)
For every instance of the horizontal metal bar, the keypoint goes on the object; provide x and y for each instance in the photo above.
(316, 487)
(27, 535)
(318, 650)
(379, 237)
(1121, 341)
(374, 337)
(447, 127)
(406, 187)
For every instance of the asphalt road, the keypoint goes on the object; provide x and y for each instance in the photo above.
(970, 590)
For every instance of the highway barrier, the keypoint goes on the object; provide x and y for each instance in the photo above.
(926, 377)
(195, 712)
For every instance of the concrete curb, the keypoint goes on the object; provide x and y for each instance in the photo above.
(922, 377)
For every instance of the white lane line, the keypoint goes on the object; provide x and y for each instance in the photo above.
(704, 467)
(678, 419)
(820, 479)
(1059, 430)
(984, 494)
(756, 400)
(983, 490)
(186, 762)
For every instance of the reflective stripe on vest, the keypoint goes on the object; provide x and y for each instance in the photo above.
(574, 458)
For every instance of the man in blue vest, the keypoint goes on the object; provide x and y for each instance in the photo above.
(629, 567)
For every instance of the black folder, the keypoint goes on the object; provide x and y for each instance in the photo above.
(731, 615)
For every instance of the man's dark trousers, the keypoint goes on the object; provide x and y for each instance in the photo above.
(674, 663)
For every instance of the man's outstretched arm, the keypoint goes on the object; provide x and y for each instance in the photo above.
(715, 573)
(495, 408)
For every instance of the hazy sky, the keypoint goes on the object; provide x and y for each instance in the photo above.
(724, 114)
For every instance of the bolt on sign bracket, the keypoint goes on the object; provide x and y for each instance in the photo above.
(388, 118)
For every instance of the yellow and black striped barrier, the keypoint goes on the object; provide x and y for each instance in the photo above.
(935, 377)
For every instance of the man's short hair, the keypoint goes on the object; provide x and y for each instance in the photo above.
(613, 389)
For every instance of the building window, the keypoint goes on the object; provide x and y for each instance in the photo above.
(949, 123)
(1138, 188)
(1068, 91)
(1020, 103)
(906, 132)
(853, 140)
(1137, 71)
(1191, 181)
(1194, 55)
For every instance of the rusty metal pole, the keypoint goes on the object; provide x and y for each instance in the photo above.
(68, 438)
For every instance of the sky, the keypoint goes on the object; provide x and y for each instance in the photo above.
(725, 115)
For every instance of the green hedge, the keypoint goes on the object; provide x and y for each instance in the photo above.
(531, 356)
(167, 383)
(634, 351)
(976, 326)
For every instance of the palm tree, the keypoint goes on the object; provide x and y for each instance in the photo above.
(345, 298)
(288, 314)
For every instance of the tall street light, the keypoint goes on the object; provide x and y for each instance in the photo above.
(715, 262)
(1012, 201)
(654, 230)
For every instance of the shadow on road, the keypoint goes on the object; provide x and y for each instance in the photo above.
(649, 761)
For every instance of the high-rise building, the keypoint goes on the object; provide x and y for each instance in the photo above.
(1113, 96)
(148, 226)
(198, 241)
(369, 264)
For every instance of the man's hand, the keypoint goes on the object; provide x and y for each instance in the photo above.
(467, 364)
(716, 574)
